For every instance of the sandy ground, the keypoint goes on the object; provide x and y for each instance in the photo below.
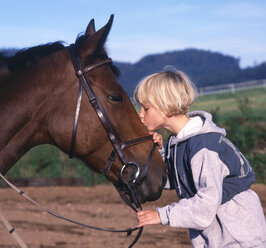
(100, 206)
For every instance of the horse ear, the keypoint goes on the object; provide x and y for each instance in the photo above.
(95, 43)
(90, 30)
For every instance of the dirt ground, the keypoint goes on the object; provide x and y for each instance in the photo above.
(100, 206)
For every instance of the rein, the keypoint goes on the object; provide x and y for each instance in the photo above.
(118, 147)
(47, 210)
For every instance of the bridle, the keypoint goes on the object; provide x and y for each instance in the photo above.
(118, 145)
(111, 132)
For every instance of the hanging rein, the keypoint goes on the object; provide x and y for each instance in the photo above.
(128, 185)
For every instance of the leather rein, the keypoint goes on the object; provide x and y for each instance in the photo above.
(114, 138)
(118, 147)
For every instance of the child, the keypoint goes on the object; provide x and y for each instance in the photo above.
(211, 176)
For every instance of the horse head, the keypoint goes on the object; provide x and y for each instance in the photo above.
(49, 111)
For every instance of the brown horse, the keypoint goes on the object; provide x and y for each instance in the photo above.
(38, 96)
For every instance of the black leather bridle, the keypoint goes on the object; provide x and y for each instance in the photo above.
(118, 145)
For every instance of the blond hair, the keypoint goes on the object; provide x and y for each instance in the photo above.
(170, 92)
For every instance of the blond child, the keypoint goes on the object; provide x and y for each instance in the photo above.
(211, 176)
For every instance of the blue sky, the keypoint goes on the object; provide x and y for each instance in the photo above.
(141, 27)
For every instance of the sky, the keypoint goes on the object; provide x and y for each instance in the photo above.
(142, 27)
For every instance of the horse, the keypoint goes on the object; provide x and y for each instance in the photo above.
(40, 99)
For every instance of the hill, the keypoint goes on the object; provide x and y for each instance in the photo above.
(203, 67)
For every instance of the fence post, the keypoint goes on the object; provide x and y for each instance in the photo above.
(201, 92)
(233, 90)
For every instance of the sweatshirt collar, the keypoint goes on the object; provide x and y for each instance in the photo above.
(200, 122)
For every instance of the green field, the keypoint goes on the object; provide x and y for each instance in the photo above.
(228, 104)
(243, 114)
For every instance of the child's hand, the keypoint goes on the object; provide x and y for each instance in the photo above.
(157, 138)
(149, 217)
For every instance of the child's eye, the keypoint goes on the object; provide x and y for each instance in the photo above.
(145, 107)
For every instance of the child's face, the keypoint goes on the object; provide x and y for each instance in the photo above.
(151, 117)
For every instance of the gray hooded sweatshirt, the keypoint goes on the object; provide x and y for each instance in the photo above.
(212, 179)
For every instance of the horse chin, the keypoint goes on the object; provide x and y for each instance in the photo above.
(148, 192)
(144, 194)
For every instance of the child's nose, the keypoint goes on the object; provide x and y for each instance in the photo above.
(141, 115)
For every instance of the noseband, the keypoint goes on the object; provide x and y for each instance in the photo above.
(116, 141)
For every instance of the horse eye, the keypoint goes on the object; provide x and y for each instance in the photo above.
(115, 98)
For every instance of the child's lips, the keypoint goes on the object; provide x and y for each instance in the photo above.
(148, 129)
(146, 126)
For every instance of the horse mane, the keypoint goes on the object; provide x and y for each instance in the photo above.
(3, 59)
(25, 57)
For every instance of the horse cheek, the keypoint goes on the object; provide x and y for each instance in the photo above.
(60, 129)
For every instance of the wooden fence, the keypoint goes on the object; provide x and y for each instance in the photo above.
(217, 89)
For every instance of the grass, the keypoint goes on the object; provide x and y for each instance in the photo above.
(228, 103)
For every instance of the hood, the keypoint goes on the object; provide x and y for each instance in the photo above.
(200, 122)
